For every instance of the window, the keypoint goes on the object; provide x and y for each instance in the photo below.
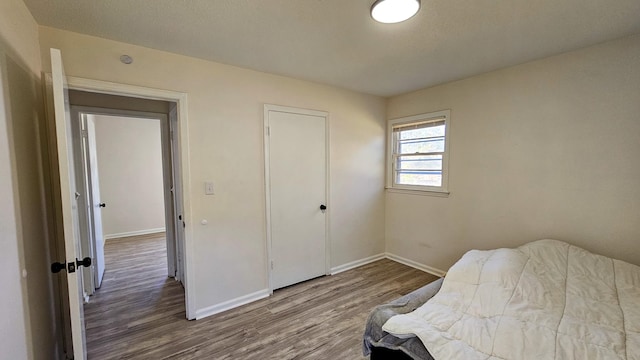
(418, 152)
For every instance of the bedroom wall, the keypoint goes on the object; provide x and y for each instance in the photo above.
(27, 330)
(547, 149)
(225, 107)
(130, 173)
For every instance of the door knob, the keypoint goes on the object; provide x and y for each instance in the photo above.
(323, 207)
(56, 267)
(102, 205)
(86, 262)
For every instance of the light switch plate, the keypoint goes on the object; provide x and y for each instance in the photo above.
(208, 188)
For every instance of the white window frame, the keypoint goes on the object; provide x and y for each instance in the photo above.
(437, 115)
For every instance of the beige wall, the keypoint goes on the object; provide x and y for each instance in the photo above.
(27, 312)
(548, 149)
(130, 173)
(12, 331)
(225, 106)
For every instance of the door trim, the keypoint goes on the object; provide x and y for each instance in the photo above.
(111, 88)
(267, 184)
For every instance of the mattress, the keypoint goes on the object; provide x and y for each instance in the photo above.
(544, 300)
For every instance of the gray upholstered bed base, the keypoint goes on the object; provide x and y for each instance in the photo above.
(375, 337)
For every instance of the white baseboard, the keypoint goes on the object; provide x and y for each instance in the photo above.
(354, 264)
(134, 233)
(233, 303)
(416, 265)
(258, 295)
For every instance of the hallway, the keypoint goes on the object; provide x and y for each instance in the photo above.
(137, 300)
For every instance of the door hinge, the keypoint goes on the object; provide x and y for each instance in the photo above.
(271, 264)
(85, 133)
(268, 131)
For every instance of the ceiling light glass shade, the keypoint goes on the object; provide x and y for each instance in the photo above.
(394, 11)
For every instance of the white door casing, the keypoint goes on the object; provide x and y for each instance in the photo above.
(105, 87)
(296, 169)
(69, 202)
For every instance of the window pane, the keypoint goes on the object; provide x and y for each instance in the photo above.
(421, 146)
(424, 162)
(422, 133)
(424, 178)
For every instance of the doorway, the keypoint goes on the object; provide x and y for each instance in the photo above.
(175, 138)
(126, 183)
(297, 180)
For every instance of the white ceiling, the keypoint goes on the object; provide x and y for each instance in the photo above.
(336, 42)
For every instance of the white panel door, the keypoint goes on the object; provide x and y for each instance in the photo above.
(297, 160)
(81, 168)
(96, 201)
(69, 203)
(177, 193)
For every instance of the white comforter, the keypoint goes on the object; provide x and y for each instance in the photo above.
(544, 300)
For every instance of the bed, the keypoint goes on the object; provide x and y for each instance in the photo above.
(543, 300)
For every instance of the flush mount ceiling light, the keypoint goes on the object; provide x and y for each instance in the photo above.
(394, 11)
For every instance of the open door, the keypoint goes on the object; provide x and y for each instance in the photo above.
(69, 201)
(96, 205)
(176, 189)
(169, 190)
(90, 203)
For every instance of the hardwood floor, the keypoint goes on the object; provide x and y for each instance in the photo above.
(138, 313)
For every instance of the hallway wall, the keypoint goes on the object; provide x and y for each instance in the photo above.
(130, 171)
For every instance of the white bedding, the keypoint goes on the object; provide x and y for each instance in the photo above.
(544, 300)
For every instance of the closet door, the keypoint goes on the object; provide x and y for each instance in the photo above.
(297, 194)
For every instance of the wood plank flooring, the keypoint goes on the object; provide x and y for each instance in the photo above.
(138, 313)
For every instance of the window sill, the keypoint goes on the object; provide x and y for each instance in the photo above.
(418, 192)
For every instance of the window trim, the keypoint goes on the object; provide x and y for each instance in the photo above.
(444, 189)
